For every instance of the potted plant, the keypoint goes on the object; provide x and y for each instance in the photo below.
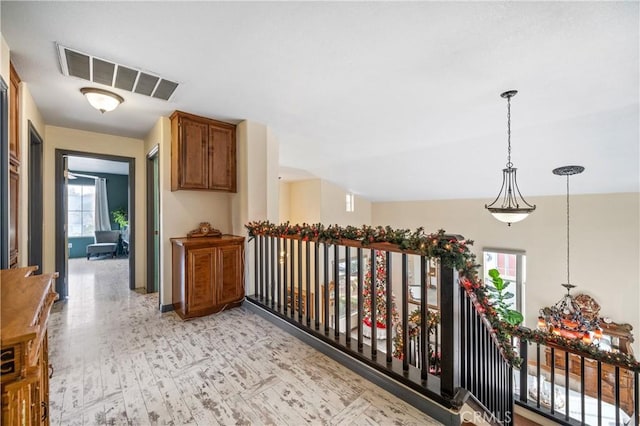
(120, 217)
(499, 295)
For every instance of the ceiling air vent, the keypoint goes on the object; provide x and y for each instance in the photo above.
(82, 65)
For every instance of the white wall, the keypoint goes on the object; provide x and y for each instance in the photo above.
(98, 143)
(605, 245)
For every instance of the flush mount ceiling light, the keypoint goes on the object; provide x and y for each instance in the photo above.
(513, 207)
(102, 100)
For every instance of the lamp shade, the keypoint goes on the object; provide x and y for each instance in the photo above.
(102, 100)
(510, 217)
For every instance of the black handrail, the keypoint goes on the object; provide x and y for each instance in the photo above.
(485, 372)
(311, 267)
(572, 387)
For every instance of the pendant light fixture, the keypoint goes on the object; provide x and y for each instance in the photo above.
(567, 317)
(102, 100)
(509, 206)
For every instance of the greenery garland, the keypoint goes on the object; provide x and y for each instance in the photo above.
(453, 253)
(413, 328)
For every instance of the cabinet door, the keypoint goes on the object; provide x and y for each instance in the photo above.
(21, 402)
(230, 283)
(194, 158)
(201, 279)
(222, 159)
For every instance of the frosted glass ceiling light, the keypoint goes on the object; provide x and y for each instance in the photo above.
(513, 207)
(102, 100)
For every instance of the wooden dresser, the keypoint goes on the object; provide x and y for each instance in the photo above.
(208, 274)
(24, 363)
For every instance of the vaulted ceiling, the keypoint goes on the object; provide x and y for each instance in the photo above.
(391, 100)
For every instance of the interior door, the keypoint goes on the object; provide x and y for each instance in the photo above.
(35, 199)
(61, 244)
(153, 222)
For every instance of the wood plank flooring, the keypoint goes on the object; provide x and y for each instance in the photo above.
(119, 361)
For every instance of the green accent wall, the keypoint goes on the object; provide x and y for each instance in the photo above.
(117, 196)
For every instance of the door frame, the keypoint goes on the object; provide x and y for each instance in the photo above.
(152, 156)
(35, 221)
(4, 175)
(61, 264)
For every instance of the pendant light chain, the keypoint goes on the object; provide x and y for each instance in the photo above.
(509, 163)
(568, 269)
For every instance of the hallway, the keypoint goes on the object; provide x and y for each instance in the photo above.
(117, 360)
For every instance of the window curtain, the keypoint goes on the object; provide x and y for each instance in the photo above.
(101, 217)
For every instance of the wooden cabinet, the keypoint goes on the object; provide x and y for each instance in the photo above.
(208, 274)
(591, 378)
(26, 304)
(203, 153)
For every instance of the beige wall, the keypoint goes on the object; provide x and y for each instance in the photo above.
(285, 202)
(4, 59)
(89, 142)
(28, 113)
(333, 209)
(320, 201)
(605, 252)
(305, 201)
(258, 190)
(180, 211)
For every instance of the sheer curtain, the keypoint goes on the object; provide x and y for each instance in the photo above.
(102, 220)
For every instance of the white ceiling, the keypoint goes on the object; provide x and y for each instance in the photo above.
(391, 100)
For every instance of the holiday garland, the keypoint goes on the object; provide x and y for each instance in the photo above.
(413, 329)
(453, 253)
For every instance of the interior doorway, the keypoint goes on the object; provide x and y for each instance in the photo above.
(153, 222)
(79, 197)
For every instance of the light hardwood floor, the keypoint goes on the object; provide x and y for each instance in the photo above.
(117, 360)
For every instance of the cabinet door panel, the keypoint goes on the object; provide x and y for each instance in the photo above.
(222, 159)
(202, 269)
(230, 285)
(194, 160)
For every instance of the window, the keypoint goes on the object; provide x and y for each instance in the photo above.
(512, 266)
(350, 202)
(80, 210)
